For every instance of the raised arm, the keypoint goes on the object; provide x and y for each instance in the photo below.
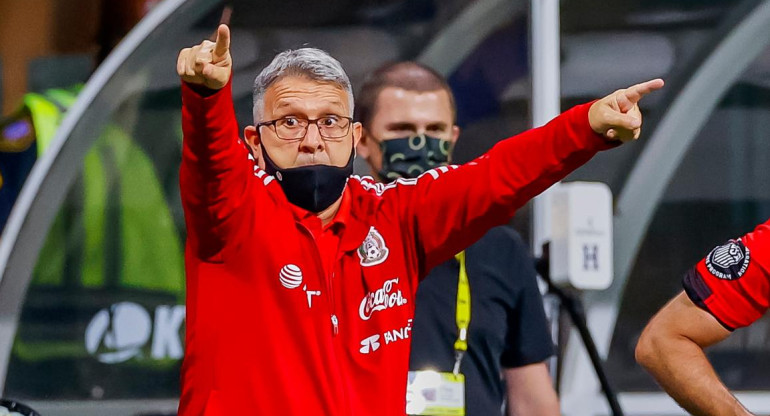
(215, 167)
(671, 349)
(450, 208)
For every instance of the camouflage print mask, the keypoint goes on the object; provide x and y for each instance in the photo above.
(410, 157)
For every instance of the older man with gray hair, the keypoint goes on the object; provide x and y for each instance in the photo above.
(301, 277)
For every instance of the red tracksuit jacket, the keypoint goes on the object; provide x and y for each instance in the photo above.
(267, 332)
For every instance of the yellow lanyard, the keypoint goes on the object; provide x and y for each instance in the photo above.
(462, 313)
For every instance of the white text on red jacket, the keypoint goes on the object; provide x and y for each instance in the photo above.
(381, 299)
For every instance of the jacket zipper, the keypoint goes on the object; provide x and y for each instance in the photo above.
(334, 319)
(329, 286)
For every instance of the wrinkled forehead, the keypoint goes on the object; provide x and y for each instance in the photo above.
(398, 105)
(300, 95)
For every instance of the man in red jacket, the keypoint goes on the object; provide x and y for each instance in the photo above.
(728, 289)
(300, 277)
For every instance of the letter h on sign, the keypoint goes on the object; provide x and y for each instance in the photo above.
(590, 257)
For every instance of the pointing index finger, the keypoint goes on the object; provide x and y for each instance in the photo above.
(223, 41)
(635, 93)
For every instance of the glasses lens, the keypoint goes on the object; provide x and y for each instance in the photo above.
(330, 127)
(333, 126)
(290, 128)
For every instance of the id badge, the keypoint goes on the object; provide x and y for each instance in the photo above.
(431, 393)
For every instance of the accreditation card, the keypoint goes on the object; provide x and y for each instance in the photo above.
(431, 393)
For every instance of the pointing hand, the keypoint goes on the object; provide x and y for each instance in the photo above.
(208, 63)
(617, 115)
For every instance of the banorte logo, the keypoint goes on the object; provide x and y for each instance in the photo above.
(381, 299)
(370, 344)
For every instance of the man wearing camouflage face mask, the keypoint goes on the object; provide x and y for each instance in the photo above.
(410, 156)
(408, 115)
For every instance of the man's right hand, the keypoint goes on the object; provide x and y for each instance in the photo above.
(209, 63)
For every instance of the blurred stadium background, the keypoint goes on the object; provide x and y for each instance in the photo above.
(91, 303)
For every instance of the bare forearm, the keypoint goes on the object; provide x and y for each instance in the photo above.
(530, 391)
(535, 406)
(681, 368)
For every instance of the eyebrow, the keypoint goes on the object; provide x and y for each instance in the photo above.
(440, 126)
(401, 126)
(412, 126)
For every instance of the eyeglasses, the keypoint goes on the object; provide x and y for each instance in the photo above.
(295, 128)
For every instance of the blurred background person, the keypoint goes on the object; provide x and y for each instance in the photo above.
(43, 73)
(115, 240)
(408, 115)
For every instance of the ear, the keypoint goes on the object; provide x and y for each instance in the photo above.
(357, 133)
(252, 139)
(362, 149)
(455, 134)
(453, 140)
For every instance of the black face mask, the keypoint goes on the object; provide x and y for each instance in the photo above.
(313, 187)
(410, 157)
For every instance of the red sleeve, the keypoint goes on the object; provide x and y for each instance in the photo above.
(449, 208)
(732, 282)
(216, 168)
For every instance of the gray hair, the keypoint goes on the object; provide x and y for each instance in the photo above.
(311, 63)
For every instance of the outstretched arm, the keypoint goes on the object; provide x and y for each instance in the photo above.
(671, 349)
(449, 208)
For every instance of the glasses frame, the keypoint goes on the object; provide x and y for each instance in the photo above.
(310, 121)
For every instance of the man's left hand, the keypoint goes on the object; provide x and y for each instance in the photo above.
(617, 116)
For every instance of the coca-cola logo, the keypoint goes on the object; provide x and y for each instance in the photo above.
(381, 299)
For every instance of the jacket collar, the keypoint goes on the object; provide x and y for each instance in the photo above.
(354, 209)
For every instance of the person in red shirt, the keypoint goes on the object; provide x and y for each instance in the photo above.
(300, 276)
(728, 289)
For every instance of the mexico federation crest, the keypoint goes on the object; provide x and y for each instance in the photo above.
(729, 261)
(373, 250)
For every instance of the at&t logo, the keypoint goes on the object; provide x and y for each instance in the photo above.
(290, 276)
